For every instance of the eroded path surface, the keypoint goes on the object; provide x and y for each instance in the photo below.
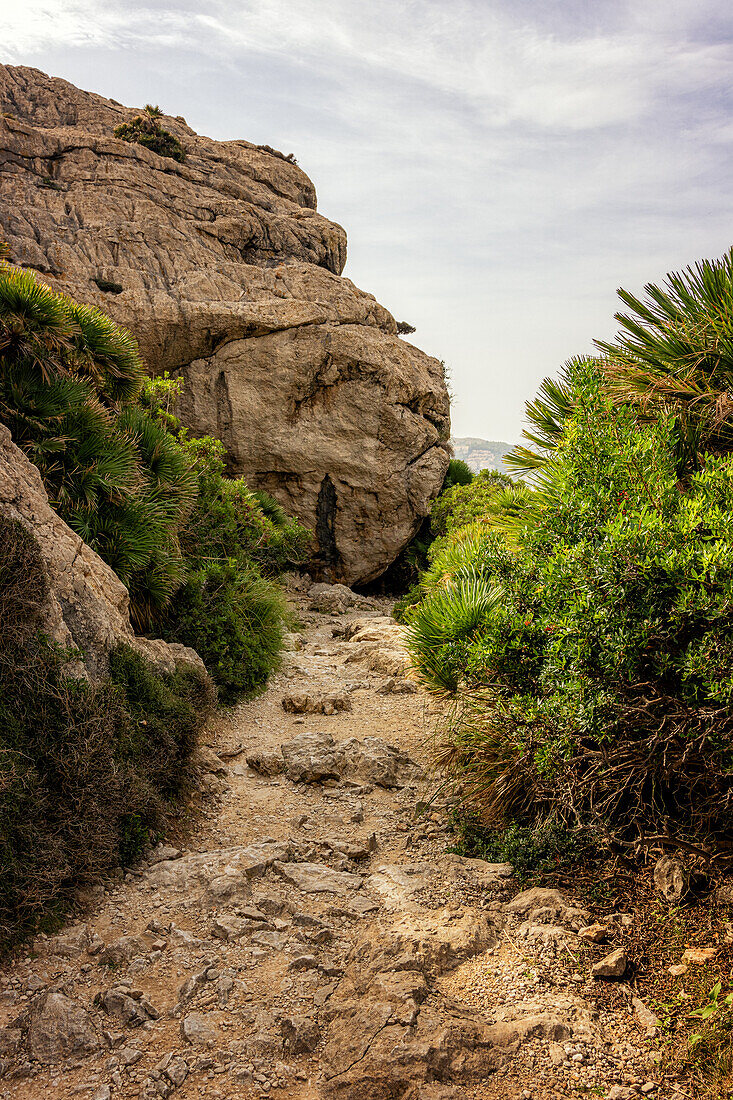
(318, 942)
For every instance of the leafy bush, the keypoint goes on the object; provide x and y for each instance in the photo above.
(596, 688)
(228, 611)
(465, 501)
(229, 521)
(235, 618)
(530, 851)
(70, 386)
(459, 473)
(442, 628)
(146, 130)
(88, 774)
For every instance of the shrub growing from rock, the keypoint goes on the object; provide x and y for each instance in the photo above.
(146, 130)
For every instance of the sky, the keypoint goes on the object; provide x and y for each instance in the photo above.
(500, 166)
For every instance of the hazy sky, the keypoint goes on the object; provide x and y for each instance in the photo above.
(500, 166)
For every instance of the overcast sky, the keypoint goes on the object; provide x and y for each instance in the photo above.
(500, 166)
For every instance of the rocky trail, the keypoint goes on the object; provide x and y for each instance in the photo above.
(314, 940)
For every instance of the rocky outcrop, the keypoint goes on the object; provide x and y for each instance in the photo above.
(83, 604)
(224, 272)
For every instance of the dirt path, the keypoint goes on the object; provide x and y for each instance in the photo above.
(318, 942)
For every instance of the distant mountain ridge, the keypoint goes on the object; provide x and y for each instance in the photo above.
(481, 454)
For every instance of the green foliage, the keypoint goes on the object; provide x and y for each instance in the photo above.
(531, 851)
(70, 386)
(466, 501)
(401, 608)
(674, 356)
(228, 611)
(87, 772)
(146, 130)
(443, 626)
(235, 618)
(709, 1055)
(459, 473)
(597, 689)
(229, 521)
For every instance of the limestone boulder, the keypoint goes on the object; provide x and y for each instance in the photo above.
(225, 273)
(59, 1028)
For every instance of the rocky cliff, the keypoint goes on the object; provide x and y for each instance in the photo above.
(224, 272)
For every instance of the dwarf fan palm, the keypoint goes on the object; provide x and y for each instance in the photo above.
(547, 416)
(674, 355)
(70, 380)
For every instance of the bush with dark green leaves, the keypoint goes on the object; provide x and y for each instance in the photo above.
(235, 618)
(531, 851)
(231, 522)
(235, 542)
(145, 130)
(70, 387)
(89, 773)
(594, 687)
(466, 501)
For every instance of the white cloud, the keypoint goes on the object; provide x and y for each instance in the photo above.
(500, 167)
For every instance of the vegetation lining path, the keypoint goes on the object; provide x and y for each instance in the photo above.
(318, 940)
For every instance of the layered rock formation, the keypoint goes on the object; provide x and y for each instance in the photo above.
(84, 605)
(224, 272)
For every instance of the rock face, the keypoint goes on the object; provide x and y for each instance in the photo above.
(85, 604)
(225, 273)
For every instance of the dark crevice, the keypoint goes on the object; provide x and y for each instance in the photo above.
(328, 559)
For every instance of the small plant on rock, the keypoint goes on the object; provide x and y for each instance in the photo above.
(146, 130)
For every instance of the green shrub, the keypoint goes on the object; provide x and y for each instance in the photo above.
(464, 502)
(531, 851)
(235, 618)
(87, 772)
(146, 130)
(597, 691)
(443, 626)
(229, 521)
(70, 386)
(459, 473)
(401, 608)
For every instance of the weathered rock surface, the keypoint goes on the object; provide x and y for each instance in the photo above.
(220, 875)
(322, 703)
(314, 757)
(384, 1037)
(671, 879)
(59, 1027)
(85, 605)
(224, 271)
